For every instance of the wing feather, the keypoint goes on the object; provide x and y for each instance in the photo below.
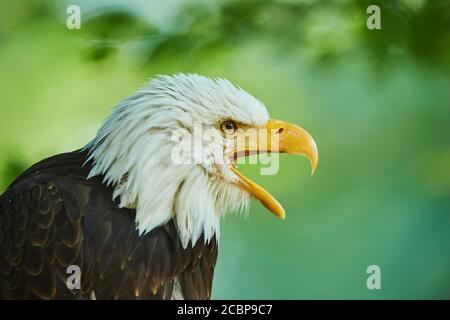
(52, 217)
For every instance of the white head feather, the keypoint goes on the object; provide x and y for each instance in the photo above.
(133, 151)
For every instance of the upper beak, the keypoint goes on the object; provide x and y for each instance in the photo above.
(276, 137)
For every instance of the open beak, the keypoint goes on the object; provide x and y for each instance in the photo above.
(276, 137)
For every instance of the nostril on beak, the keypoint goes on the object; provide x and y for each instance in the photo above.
(279, 131)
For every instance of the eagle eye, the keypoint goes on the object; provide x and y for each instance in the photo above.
(228, 127)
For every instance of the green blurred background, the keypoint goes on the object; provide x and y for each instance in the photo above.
(376, 101)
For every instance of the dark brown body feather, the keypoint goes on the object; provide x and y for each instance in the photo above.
(52, 217)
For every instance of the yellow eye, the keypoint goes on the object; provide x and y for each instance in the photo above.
(228, 127)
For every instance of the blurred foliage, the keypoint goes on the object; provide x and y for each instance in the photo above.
(376, 101)
(109, 27)
(326, 29)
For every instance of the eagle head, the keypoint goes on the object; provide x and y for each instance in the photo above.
(170, 149)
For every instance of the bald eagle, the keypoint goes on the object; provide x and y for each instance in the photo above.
(136, 222)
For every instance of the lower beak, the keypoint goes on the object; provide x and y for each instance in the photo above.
(276, 137)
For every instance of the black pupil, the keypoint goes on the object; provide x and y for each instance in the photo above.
(229, 126)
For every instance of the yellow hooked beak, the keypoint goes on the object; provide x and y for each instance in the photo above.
(280, 137)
